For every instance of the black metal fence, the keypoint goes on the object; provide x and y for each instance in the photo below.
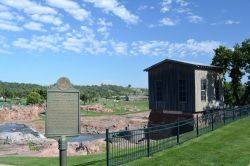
(128, 145)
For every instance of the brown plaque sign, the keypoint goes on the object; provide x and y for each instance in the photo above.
(62, 115)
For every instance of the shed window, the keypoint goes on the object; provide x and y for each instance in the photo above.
(217, 91)
(182, 91)
(158, 91)
(203, 89)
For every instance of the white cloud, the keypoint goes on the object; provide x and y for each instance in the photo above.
(203, 47)
(84, 41)
(169, 5)
(81, 41)
(9, 26)
(116, 8)
(151, 26)
(29, 7)
(145, 7)
(22, 43)
(73, 44)
(120, 48)
(182, 3)
(166, 5)
(5, 14)
(70, 7)
(4, 46)
(166, 48)
(37, 12)
(3, 51)
(3, 42)
(40, 43)
(3, 8)
(195, 19)
(62, 28)
(230, 22)
(142, 7)
(49, 19)
(34, 26)
(168, 22)
(150, 48)
(104, 27)
(179, 8)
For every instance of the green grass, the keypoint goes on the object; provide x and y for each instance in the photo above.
(95, 160)
(119, 107)
(229, 145)
(12, 102)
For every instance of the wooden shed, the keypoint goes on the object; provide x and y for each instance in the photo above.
(179, 89)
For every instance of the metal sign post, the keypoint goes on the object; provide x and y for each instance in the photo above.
(62, 146)
(62, 115)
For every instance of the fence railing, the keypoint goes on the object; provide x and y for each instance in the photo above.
(128, 145)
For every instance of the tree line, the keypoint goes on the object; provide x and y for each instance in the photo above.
(37, 94)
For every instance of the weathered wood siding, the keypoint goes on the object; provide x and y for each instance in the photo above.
(170, 74)
(211, 77)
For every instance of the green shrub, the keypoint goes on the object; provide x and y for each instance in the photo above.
(34, 147)
(34, 98)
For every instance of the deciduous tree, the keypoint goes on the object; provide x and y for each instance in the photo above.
(235, 63)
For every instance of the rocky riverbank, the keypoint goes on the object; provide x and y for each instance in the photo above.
(32, 143)
(18, 143)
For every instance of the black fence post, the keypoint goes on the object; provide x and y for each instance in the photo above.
(197, 125)
(224, 118)
(212, 121)
(178, 131)
(148, 142)
(107, 146)
(233, 115)
(240, 113)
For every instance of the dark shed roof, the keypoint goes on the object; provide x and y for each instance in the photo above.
(196, 65)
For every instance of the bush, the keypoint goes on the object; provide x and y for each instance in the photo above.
(34, 98)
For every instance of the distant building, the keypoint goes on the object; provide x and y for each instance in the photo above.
(180, 89)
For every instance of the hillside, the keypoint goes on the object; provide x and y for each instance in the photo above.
(21, 90)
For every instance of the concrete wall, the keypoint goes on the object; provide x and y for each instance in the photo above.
(210, 102)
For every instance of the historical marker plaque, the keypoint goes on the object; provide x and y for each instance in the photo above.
(62, 115)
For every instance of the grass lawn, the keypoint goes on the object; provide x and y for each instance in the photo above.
(120, 107)
(229, 145)
(12, 102)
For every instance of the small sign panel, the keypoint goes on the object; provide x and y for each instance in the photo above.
(62, 115)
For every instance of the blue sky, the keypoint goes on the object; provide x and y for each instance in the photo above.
(112, 41)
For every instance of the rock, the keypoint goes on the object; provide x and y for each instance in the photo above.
(138, 121)
(120, 124)
(95, 108)
(50, 149)
(20, 138)
(20, 113)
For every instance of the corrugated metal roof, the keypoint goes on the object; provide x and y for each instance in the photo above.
(198, 65)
